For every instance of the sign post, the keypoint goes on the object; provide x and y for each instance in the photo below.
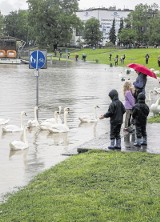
(37, 61)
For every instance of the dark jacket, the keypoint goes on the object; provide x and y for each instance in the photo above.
(140, 82)
(140, 111)
(116, 109)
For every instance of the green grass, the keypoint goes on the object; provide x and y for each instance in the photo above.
(91, 187)
(154, 119)
(132, 55)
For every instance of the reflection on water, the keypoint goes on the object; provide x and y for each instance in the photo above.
(79, 86)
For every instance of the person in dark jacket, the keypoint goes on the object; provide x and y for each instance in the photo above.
(115, 112)
(147, 58)
(140, 84)
(139, 113)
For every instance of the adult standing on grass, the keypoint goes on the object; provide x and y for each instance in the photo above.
(84, 57)
(110, 57)
(158, 61)
(116, 60)
(76, 57)
(115, 112)
(124, 56)
(147, 58)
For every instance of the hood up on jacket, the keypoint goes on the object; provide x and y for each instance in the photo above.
(113, 94)
(141, 98)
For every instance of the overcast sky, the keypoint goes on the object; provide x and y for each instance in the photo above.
(7, 6)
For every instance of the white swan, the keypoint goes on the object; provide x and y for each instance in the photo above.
(46, 124)
(20, 145)
(55, 119)
(61, 127)
(155, 108)
(90, 118)
(34, 122)
(4, 121)
(14, 128)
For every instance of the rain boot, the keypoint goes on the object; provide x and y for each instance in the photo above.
(138, 142)
(111, 147)
(118, 144)
(144, 141)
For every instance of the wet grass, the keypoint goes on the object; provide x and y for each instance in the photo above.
(154, 119)
(91, 187)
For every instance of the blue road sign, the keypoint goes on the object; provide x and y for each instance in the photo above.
(37, 60)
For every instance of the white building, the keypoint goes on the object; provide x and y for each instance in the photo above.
(105, 17)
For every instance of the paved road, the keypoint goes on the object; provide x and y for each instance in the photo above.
(128, 139)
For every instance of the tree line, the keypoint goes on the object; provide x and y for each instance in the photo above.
(50, 23)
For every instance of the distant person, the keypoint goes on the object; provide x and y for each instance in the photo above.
(147, 58)
(115, 112)
(124, 57)
(116, 60)
(60, 54)
(110, 56)
(158, 61)
(121, 59)
(140, 84)
(139, 113)
(55, 52)
(76, 57)
(84, 57)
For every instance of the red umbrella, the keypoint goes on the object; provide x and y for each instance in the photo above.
(143, 69)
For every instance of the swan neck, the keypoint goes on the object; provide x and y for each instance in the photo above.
(157, 102)
(56, 117)
(24, 136)
(35, 115)
(95, 112)
(60, 109)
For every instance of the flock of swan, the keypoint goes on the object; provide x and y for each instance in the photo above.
(53, 125)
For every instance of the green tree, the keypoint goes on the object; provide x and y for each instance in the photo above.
(127, 37)
(139, 21)
(16, 24)
(1, 24)
(154, 30)
(112, 33)
(53, 21)
(120, 29)
(92, 34)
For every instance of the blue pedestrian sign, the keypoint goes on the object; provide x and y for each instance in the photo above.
(37, 60)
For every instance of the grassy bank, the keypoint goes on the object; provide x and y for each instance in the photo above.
(132, 55)
(91, 187)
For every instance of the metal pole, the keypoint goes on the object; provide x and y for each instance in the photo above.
(37, 83)
(37, 90)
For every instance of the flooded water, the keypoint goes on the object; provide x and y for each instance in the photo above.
(79, 86)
